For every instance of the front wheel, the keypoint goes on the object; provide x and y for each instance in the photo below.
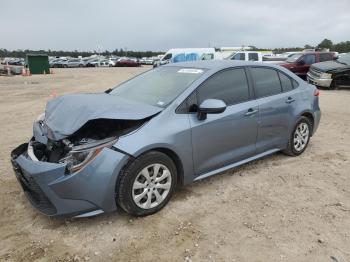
(146, 185)
(300, 137)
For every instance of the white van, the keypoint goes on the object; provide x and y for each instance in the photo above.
(185, 54)
(247, 56)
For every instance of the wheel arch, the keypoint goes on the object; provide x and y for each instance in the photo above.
(310, 116)
(167, 151)
(175, 158)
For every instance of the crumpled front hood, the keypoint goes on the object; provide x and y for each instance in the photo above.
(329, 66)
(68, 113)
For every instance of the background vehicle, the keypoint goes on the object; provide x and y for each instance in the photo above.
(93, 62)
(331, 74)
(128, 61)
(279, 57)
(148, 60)
(59, 63)
(16, 61)
(113, 61)
(75, 62)
(299, 64)
(176, 55)
(247, 56)
(104, 62)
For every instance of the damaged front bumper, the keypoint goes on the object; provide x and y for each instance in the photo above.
(53, 192)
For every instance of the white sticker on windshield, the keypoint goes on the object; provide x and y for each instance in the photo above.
(190, 71)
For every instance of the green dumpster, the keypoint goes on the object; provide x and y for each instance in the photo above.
(38, 64)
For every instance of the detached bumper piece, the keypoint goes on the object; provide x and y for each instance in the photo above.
(51, 191)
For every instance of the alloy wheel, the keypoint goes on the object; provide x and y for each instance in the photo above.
(151, 186)
(301, 136)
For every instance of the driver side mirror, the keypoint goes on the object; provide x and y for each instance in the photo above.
(210, 106)
(301, 62)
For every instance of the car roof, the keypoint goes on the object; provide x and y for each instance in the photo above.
(217, 64)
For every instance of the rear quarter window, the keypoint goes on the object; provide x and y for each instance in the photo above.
(286, 82)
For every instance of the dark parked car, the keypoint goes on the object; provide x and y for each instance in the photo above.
(331, 74)
(132, 145)
(126, 61)
(300, 63)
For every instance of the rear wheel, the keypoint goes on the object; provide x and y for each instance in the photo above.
(300, 137)
(146, 185)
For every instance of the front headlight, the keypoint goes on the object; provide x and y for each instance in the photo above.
(326, 75)
(79, 156)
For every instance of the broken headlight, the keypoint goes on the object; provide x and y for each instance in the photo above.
(80, 155)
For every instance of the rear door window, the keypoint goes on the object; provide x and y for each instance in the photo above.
(309, 59)
(239, 56)
(230, 85)
(253, 57)
(266, 81)
(326, 57)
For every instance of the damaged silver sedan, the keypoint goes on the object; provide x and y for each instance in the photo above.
(130, 146)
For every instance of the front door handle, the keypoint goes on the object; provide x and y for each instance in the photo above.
(290, 100)
(251, 111)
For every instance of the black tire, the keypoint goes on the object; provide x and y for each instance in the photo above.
(291, 149)
(333, 85)
(124, 188)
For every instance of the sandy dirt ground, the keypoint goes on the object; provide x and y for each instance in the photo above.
(276, 209)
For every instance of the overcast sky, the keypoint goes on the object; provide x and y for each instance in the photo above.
(164, 24)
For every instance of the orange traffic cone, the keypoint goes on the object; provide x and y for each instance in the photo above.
(53, 94)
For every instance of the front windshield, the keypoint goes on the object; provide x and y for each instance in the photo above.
(158, 87)
(293, 58)
(344, 59)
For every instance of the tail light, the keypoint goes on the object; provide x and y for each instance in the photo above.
(316, 92)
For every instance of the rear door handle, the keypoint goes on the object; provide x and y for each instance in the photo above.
(251, 111)
(290, 100)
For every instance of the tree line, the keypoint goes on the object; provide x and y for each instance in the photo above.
(76, 53)
(342, 47)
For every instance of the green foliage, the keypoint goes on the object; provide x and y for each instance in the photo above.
(342, 47)
(326, 43)
(76, 53)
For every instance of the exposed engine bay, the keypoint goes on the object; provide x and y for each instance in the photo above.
(84, 144)
(76, 127)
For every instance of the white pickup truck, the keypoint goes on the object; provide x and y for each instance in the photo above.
(247, 56)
